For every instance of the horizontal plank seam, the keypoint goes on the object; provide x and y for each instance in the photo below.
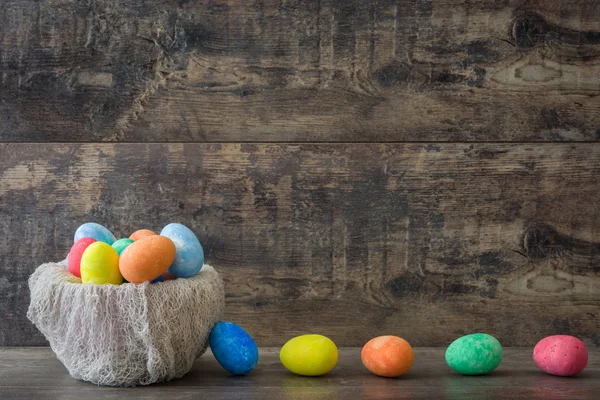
(267, 349)
(311, 142)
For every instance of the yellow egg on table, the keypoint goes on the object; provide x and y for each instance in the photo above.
(309, 355)
(100, 265)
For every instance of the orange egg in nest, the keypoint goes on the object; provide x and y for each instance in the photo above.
(137, 235)
(147, 258)
(387, 356)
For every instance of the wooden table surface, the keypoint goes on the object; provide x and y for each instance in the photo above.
(35, 373)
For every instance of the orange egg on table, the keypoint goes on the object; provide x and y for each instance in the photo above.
(141, 233)
(388, 356)
(147, 258)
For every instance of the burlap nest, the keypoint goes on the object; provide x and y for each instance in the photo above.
(125, 335)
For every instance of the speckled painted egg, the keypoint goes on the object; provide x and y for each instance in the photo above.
(561, 355)
(74, 258)
(474, 354)
(233, 348)
(190, 256)
(309, 355)
(121, 244)
(100, 265)
(94, 231)
(141, 233)
(147, 258)
(388, 356)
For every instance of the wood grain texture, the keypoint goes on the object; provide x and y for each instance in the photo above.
(27, 373)
(425, 241)
(300, 71)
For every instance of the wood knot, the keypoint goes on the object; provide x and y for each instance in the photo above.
(407, 285)
(528, 29)
(392, 75)
(539, 241)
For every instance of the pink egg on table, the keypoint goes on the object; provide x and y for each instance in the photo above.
(74, 261)
(561, 355)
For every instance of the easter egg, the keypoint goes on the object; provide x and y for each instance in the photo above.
(159, 279)
(100, 265)
(474, 354)
(147, 258)
(233, 348)
(141, 233)
(74, 258)
(561, 355)
(190, 256)
(94, 231)
(388, 356)
(121, 245)
(309, 355)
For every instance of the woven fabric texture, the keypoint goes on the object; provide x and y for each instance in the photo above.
(125, 335)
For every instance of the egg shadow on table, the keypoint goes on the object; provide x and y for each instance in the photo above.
(542, 377)
(408, 377)
(313, 393)
(377, 387)
(459, 387)
(291, 379)
(322, 387)
(551, 387)
(492, 375)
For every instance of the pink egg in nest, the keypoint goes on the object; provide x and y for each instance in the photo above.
(561, 355)
(74, 259)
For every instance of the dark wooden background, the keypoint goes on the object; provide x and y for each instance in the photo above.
(424, 168)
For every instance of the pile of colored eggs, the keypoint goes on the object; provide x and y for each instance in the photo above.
(391, 356)
(98, 257)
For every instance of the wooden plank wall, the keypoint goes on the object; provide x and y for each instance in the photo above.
(424, 168)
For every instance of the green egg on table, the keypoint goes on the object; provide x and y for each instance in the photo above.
(309, 355)
(100, 265)
(475, 354)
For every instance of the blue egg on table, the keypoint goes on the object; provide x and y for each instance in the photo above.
(189, 257)
(233, 348)
(159, 279)
(95, 231)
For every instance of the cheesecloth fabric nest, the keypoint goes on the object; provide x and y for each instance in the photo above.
(125, 335)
